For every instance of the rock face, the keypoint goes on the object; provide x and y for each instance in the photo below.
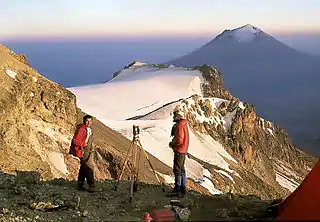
(213, 85)
(37, 117)
(249, 130)
(264, 150)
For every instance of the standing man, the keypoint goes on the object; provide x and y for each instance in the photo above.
(180, 145)
(82, 147)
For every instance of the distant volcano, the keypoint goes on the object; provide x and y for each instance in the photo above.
(280, 81)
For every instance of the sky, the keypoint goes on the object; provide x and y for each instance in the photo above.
(71, 18)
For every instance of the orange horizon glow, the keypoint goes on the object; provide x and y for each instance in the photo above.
(147, 35)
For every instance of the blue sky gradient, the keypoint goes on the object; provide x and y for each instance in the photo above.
(67, 18)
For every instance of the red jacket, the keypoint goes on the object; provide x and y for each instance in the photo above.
(180, 141)
(78, 141)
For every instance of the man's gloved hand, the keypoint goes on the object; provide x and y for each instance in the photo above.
(188, 155)
(170, 145)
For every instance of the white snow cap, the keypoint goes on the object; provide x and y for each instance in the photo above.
(245, 33)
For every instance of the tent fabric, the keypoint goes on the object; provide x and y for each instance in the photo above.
(304, 202)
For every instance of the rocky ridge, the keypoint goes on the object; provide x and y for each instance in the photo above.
(268, 163)
(250, 136)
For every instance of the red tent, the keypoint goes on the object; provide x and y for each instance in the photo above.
(304, 202)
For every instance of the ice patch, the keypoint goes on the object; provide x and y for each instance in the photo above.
(241, 105)
(35, 79)
(167, 178)
(195, 86)
(200, 118)
(207, 183)
(285, 182)
(53, 157)
(227, 119)
(270, 131)
(11, 73)
(285, 170)
(216, 102)
(57, 160)
(207, 149)
(51, 132)
(237, 174)
(193, 168)
(225, 174)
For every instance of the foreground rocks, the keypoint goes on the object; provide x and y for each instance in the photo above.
(58, 200)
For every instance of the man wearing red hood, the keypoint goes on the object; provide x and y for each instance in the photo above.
(180, 145)
(83, 148)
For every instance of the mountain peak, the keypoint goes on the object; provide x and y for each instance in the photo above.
(247, 28)
(246, 33)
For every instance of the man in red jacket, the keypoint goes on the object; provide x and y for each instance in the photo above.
(180, 145)
(82, 147)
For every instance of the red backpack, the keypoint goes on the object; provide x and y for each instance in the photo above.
(78, 141)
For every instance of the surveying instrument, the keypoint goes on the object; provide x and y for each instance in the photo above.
(134, 152)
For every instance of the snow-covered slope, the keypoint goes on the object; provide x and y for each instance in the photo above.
(155, 134)
(138, 90)
(146, 95)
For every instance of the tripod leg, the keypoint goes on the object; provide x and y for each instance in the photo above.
(131, 190)
(124, 166)
(135, 185)
(133, 175)
(155, 174)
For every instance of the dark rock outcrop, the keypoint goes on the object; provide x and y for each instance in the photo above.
(213, 85)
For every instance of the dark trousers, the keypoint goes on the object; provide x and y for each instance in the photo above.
(179, 172)
(85, 172)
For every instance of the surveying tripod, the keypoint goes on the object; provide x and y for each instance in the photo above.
(134, 151)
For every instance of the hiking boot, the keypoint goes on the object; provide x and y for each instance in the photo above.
(173, 193)
(93, 189)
